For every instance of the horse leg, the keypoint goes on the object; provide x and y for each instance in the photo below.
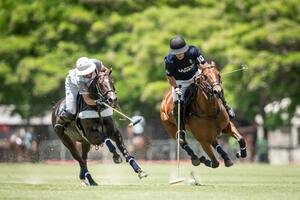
(117, 137)
(96, 136)
(172, 130)
(116, 157)
(84, 173)
(70, 145)
(228, 162)
(214, 163)
(195, 160)
(232, 130)
(130, 159)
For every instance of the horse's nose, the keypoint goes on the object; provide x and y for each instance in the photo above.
(112, 101)
(217, 89)
(217, 94)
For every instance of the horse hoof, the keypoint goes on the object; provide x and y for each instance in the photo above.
(93, 184)
(90, 181)
(84, 183)
(117, 159)
(215, 165)
(142, 174)
(195, 161)
(228, 163)
(202, 159)
(243, 154)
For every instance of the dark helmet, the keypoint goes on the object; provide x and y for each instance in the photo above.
(178, 45)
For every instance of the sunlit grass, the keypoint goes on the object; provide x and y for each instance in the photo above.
(242, 181)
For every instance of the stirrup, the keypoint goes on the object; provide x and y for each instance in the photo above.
(182, 140)
(182, 134)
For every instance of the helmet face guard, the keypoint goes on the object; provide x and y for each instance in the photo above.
(178, 45)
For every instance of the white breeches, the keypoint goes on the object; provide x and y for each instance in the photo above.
(184, 85)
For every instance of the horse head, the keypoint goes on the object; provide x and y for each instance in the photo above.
(103, 87)
(210, 79)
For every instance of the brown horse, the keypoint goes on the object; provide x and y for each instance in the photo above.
(206, 117)
(94, 127)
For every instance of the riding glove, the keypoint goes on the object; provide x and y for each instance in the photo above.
(100, 102)
(178, 91)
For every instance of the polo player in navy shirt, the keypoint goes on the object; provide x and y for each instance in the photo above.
(182, 64)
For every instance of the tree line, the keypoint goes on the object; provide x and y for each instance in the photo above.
(41, 40)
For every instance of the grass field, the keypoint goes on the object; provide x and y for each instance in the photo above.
(242, 181)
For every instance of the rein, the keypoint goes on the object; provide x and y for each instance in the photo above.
(102, 95)
(207, 91)
(98, 89)
(205, 86)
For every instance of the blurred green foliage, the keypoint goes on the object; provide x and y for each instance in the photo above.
(41, 40)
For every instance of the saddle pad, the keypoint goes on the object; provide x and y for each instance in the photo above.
(88, 114)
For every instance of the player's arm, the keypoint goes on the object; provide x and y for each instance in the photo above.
(84, 92)
(88, 100)
(169, 73)
(200, 60)
(172, 81)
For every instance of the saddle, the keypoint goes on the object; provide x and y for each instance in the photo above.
(84, 112)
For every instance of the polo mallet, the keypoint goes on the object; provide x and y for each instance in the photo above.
(132, 122)
(193, 181)
(244, 67)
(178, 179)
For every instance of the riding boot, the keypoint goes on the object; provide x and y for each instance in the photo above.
(63, 119)
(228, 108)
(182, 120)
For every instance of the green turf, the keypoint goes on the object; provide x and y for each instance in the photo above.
(242, 181)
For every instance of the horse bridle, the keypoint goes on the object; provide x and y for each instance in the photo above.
(214, 83)
(98, 88)
(208, 87)
(205, 86)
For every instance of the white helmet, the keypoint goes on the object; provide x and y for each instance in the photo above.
(84, 66)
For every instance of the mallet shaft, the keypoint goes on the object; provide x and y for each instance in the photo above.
(117, 111)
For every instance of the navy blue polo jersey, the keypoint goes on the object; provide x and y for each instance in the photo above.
(186, 68)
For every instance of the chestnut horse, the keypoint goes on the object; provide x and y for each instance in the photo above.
(206, 117)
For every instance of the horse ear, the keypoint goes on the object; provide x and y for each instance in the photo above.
(110, 71)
